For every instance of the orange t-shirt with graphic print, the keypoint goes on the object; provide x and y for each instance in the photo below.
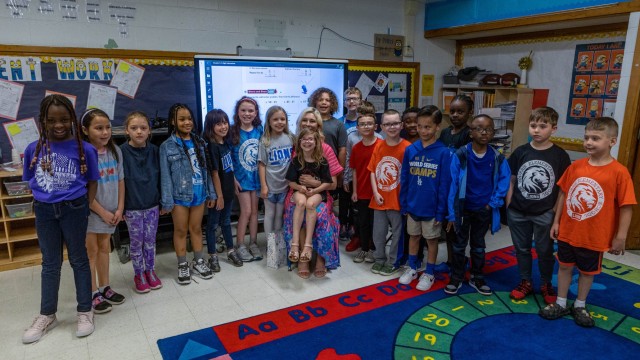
(386, 163)
(593, 197)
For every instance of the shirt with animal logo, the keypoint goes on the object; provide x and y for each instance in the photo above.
(386, 164)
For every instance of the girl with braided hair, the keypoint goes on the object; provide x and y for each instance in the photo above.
(186, 186)
(62, 171)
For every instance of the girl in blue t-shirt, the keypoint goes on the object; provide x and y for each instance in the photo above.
(62, 171)
(245, 137)
(186, 187)
(106, 209)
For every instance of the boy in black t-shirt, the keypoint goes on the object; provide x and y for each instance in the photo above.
(535, 168)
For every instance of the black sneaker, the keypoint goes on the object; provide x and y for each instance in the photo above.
(201, 269)
(214, 264)
(234, 259)
(480, 285)
(184, 274)
(112, 297)
(99, 304)
(553, 311)
(452, 287)
(582, 317)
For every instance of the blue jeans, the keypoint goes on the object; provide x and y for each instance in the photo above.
(222, 217)
(56, 223)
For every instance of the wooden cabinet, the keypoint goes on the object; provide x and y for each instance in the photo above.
(18, 239)
(517, 125)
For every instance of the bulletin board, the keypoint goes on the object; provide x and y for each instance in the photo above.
(168, 78)
(387, 85)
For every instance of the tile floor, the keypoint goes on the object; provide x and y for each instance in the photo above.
(131, 330)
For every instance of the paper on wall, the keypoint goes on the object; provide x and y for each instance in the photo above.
(22, 133)
(364, 84)
(127, 78)
(10, 98)
(378, 102)
(398, 86)
(102, 97)
(381, 82)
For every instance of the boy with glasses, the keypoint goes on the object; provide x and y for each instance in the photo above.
(353, 139)
(480, 179)
(352, 101)
(385, 167)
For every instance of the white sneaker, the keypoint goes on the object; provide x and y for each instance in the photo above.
(359, 257)
(41, 324)
(408, 276)
(426, 282)
(85, 324)
(369, 258)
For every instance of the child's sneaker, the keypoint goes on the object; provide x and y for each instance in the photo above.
(184, 274)
(214, 264)
(100, 305)
(369, 258)
(85, 324)
(523, 290)
(256, 254)
(388, 270)
(41, 324)
(408, 276)
(376, 268)
(112, 297)
(548, 293)
(426, 282)
(201, 269)
(142, 286)
(452, 287)
(553, 311)
(244, 254)
(480, 285)
(153, 280)
(360, 256)
(582, 316)
(234, 259)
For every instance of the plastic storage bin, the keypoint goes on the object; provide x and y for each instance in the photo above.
(20, 210)
(17, 188)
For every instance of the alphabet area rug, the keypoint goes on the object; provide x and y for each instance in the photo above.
(393, 321)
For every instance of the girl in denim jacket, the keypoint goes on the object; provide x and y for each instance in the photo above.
(186, 187)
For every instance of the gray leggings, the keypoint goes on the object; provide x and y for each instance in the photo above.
(272, 216)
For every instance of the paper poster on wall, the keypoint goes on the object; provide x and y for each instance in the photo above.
(397, 86)
(10, 98)
(127, 78)
(378, 102)
(102, 97)
(381, 82)
(398, 104)
(92, 69)
(71, 98)
(365, 84)
(22, 133)
(595, 80)
(22, 68)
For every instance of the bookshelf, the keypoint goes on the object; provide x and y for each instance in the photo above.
(514, 122)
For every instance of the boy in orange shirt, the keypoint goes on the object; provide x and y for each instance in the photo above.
(385, 166)
(593, 213)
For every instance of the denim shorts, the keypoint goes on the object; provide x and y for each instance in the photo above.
(276, 198)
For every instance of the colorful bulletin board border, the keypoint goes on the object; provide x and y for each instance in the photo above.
(595, 79)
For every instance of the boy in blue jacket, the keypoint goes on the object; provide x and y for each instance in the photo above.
(424, 185)
(480, 179)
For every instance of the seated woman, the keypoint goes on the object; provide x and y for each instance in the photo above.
(325, 233)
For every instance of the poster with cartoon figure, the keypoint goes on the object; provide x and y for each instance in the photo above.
(601, 60)
(596, 76)
(20, 69)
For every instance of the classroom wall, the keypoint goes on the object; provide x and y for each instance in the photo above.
(552, 69)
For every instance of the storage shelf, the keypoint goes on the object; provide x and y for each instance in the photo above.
(18, 239)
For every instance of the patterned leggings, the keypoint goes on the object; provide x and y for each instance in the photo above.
(143, 226)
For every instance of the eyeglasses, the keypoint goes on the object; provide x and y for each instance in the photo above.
(307, 140)
(366, 125)
(483, 130)
(393, 124)
(353, 99)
